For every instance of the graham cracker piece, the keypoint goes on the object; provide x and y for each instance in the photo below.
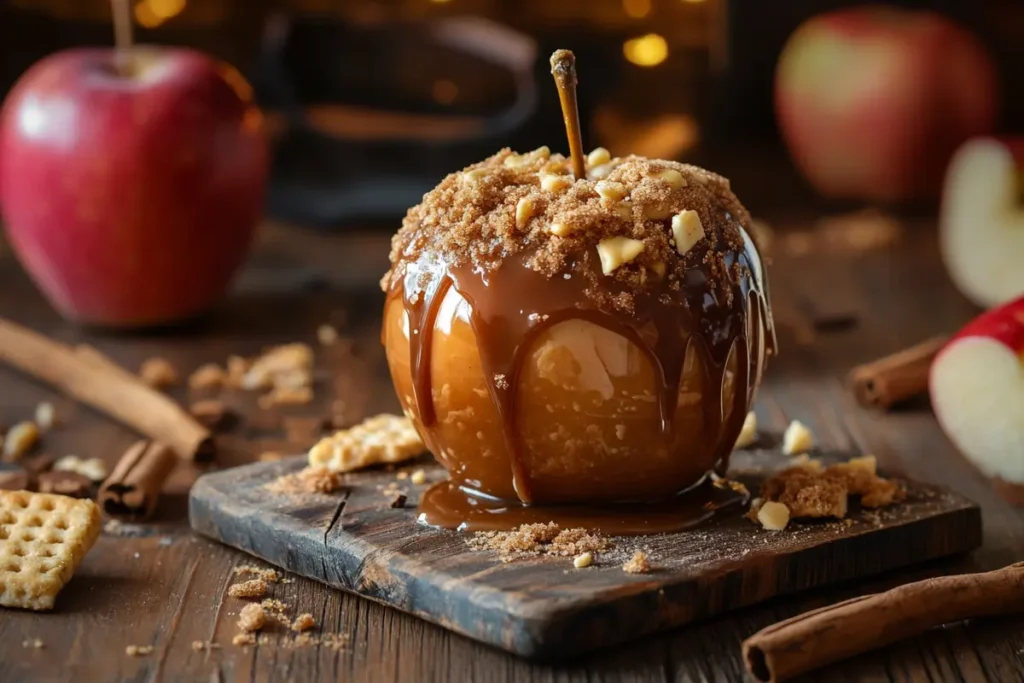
(378, 440)
(43, 538)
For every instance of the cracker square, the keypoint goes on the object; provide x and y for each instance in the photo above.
(378, 440)
(43, 538)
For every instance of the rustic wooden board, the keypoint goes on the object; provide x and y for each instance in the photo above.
(540, 607)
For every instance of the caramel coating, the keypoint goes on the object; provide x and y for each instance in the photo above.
(586, 412)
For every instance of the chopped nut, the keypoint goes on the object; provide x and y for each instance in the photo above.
(797, 439)
(748, 434)
(138, 650)
(624, 210)
(773, 516)
(517, 160)
(93, 469)
(555, 183)
(583, 560)
(687, 230)
(158, 373)
(524, 211)
(419, 477)
(598, 156)
(673, 177)
(562, 229)
(252, 618)
(614, 251)
(20, 439)
(600, 172)
(637, 564)
(288, 365)
(475, 175)
(253, 588)
(611, 191)
(381, 439)
(45, 416)
(326, 335)
(209, 376)
(303, 622)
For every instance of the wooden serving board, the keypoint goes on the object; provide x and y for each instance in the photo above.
(541, 607)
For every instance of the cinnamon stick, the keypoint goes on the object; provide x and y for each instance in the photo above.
(895, 378)
(92, 378)
(133, 488)
(829, 634)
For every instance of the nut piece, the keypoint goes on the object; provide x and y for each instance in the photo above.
(381, 439)
(326, 335)
(672, 177)
(474, 176)
(600, 172)
(45, 416)
(637, 564)
(687, 230)
(524, 211)
(773, 516)
(748, 434)
(517, 160)
(209, 376)
(562, 229)
(797, 439)
(624, 210)
(583, 560)
(20, 439)
(614, 251)
(419, 477)
(598, 157)
(555, 183)
(610, 190)
(158, 373)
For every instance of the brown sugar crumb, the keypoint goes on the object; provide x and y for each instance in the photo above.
(253, 588)
(210, 376)
(252, 618)
(303, 622)
(307, 480)
(138, 650)
(537, 539)
(576, 542)
(243, 639)
(158, 373)
(637, 564)
(823, 492)
(269, 575)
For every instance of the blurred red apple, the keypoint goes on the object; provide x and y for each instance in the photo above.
(872, 101)
(131, 189)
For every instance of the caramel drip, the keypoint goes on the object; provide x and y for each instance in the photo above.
(512, 304)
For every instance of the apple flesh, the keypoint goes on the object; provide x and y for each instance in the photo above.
(977, 391)
(131, 196)
(982, 220)
(873, 101)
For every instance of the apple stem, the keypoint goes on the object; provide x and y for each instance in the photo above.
(563, 68)
(122, 34)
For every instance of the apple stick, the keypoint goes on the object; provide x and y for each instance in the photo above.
(92, 378)
(563, 68)
(123, 40)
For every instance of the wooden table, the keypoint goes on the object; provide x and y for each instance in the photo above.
(166, 587)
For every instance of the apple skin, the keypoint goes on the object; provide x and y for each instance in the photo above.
(873, 101)
(131, 200)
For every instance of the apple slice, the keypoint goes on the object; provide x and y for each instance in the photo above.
(982, 220)
(977, 390)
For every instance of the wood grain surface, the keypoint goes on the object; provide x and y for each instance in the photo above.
(166, 586)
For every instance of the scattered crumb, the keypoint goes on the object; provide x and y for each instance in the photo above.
(773, 516)
(158, 373)
(45, 416)
(536, 539)
(20, 439)
(269, 575)
(269, 456)
(326, 335)
(253, 588)
(138, 650)
(419, 477)
(199, 645)
(575, 541)
(379, 440)
(797, 439)
(209, 376)
(307, 480)
(748, 434)
(33, 642)
(243, 639)
(737, 486)
(286, 396)
(252, 618)
(402, 475)
(637, 564)
(583, 560)
(303, 622)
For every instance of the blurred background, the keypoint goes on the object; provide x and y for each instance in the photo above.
(371, 102)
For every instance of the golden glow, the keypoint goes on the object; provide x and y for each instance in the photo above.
(649, 50)
(694, 2)
(440, 2)
(636, 9)
(152, 13)
(144, 15)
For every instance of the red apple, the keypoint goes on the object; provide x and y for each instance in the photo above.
(131, 195)
(872, 101)
(982, 220)
(977, 390)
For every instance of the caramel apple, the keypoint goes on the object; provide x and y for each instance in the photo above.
(586, 336)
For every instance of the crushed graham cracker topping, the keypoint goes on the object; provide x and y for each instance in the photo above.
(478, 216)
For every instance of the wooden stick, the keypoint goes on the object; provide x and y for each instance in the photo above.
(563, 68)
(92, 378)
(133, 488)
(895, 378)
(122, 11)
(829, 634)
